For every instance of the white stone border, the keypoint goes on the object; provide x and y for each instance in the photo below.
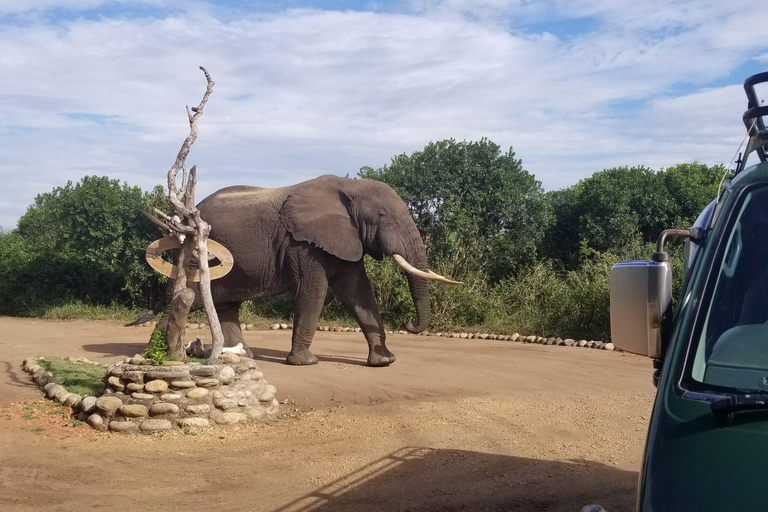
(516, 337)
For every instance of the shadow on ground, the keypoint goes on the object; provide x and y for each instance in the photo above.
(16, 377)
(278, 356)
(429, 479)
(260, 354)
(115, 349)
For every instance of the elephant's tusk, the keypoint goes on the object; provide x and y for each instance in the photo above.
(420, 273)
(442, 279)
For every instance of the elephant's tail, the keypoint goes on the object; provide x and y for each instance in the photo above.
(158, 299)
(143, 317)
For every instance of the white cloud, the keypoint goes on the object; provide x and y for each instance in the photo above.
(305, 92)
(31, 6)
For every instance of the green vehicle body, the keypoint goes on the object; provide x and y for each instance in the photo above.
(693, 460)
(706, 448)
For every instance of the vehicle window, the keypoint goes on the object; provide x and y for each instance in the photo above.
(732, 350)
(691, 247)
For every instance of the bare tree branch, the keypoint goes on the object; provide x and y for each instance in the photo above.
(174, 223)
(188, 221)
(189, 188)
(183, 182)
(159, 223)
(185, 147)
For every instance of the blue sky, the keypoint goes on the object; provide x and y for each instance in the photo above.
(308, 88)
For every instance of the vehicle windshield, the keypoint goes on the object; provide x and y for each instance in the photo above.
(732, 349)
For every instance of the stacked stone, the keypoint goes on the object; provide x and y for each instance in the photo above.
(49, 382)
(142, 397)
(516, 337)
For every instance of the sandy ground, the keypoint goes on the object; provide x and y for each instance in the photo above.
(452, 425)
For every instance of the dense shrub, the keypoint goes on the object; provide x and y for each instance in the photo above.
(475, 205)
(544, 299)
(611, 209)
(79, 243)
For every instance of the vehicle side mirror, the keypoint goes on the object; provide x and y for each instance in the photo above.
(641, 304)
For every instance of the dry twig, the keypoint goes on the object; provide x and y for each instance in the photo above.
(187, 221)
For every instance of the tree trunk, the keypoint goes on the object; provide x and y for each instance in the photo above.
(177, 322)
(178, 316)
(217, 337)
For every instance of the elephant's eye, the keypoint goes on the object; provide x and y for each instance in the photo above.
(382, 215)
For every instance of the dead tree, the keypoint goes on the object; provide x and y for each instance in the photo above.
(191, 233)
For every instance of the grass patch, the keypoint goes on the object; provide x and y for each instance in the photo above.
(81, 310)
(81, 378)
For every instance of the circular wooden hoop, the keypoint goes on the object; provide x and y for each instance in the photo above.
(166, 268)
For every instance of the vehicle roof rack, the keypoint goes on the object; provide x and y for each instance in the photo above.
(753, 120)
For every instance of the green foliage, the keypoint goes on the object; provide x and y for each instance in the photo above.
(279, 306)
(391, 290)
(476, 207)
(80, 242)
(78, 309)
(81, 378)
(552, 301)
(157, 348)
(614, 209)
(692, 187)
(543, 299)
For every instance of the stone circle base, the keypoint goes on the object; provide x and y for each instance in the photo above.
(139, 396)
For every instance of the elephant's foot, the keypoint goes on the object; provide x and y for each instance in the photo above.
(380, 356)
(300, 358)
(248, 351)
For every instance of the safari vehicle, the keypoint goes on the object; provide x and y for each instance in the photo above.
(707, 444)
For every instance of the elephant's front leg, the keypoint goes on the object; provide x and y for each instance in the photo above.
(229, 318)
(308, 300)
(354, 290)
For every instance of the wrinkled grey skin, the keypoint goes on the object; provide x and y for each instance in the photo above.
(304, 238)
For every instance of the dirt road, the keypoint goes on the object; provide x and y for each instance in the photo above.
(452, 425)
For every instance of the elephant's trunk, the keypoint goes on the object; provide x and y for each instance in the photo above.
(420, 294)
(416, 270)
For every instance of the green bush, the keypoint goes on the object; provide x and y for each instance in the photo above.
(79, 243)
(549, 302)
(474, 204)
(610, 210)
(157, 348)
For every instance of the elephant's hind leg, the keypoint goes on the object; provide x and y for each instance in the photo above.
(307, 304)
(229, 317)
(354, 290)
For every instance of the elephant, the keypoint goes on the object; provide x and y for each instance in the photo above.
(306, 237)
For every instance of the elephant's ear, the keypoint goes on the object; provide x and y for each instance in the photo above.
(321, 216)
